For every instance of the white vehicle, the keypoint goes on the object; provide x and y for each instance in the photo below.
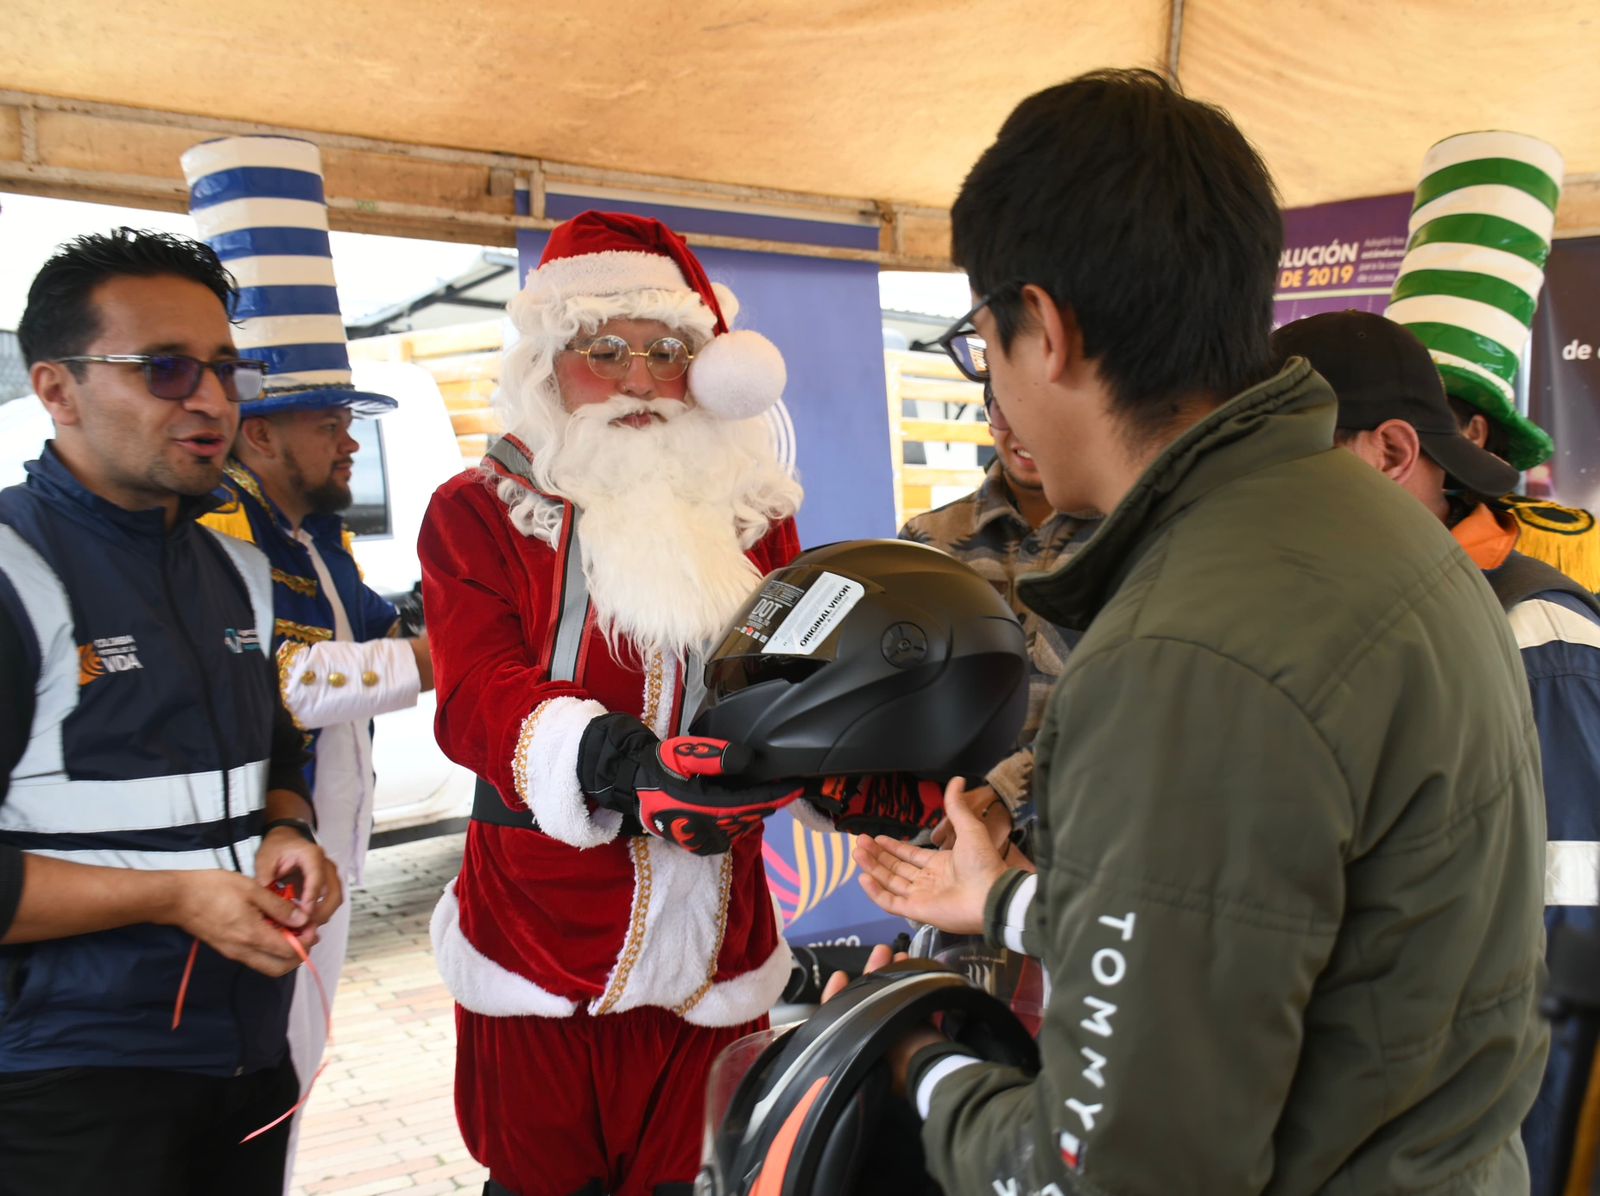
(404, 457)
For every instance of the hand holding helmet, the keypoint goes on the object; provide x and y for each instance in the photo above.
(896, 805)
(675, 787)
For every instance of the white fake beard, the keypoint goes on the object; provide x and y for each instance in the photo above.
(667, 512)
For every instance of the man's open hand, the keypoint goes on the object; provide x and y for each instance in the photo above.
(946, 889)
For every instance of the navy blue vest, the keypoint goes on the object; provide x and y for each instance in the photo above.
(148, 749)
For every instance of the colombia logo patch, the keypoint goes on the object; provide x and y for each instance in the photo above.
(107, 654)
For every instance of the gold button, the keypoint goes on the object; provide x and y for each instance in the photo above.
(308, 678)
(336, 679)
(369, 678)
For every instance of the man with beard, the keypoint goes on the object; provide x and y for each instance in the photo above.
(611, 929)
(340, 659)
(1004, 529)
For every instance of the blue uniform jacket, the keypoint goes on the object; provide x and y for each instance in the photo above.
(304, 614)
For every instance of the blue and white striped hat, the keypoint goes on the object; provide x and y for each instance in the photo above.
(259, 203)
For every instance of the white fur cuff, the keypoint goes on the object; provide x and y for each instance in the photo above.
(744, 998)
(545, 770)
(476, 981)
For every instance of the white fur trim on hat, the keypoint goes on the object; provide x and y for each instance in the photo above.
(738, 375)
(476, 981)
(545, 771)
(612, 273)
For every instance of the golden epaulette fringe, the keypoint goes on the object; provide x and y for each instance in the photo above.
(1565, 537)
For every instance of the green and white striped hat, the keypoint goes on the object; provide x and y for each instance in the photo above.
(1480, 235)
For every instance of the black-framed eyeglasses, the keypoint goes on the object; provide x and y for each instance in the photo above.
(611, 357)
(965, 347)
(177, 376)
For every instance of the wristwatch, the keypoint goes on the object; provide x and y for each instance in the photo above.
(296, 824)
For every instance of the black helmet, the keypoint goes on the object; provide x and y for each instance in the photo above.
(799, 1110)
(1011, 977)
(870, 656)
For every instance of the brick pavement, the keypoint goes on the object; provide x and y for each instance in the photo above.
(382, 1119)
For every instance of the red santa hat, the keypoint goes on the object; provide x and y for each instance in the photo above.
(602, 266)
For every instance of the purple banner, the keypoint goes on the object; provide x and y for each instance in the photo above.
(1564, 386)
(1340, 255)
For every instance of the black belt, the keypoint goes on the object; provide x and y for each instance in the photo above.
(487, 806)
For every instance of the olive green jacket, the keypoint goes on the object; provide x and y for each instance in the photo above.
(1291, 853)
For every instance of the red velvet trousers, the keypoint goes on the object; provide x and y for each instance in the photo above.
(550, 1105)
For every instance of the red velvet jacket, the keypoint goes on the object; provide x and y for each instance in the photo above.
(541, 921)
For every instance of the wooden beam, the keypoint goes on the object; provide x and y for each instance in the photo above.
(11, 134)
(932, 475)
(946, 431)
(967, 393)
(454, 340)
(469, 423)
(130, 156)
(1578, 214)
(924, 365)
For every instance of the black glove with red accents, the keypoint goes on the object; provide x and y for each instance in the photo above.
(675, 787)
(895, 804)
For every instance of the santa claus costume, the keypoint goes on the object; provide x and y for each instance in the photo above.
(597, 967)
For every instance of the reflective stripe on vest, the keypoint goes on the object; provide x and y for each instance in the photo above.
(142, 822)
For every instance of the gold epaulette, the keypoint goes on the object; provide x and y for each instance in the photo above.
(230, 520)
(1564, 537)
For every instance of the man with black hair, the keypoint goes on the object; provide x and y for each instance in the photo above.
(149, 776)
(1290, 858)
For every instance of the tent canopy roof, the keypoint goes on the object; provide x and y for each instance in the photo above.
(867, 99)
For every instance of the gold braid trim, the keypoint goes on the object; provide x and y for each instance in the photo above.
(300, 585)
(288, 662)
(652, 690)
(640, 849)
(303, 632)
(244, 480)
(726, 883)
(519, 757)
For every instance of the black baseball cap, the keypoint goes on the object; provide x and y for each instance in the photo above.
(1380, 371)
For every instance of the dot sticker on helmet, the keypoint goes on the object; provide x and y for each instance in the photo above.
(827, 601)
(776, 600)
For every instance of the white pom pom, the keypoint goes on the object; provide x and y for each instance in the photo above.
(738, 375)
